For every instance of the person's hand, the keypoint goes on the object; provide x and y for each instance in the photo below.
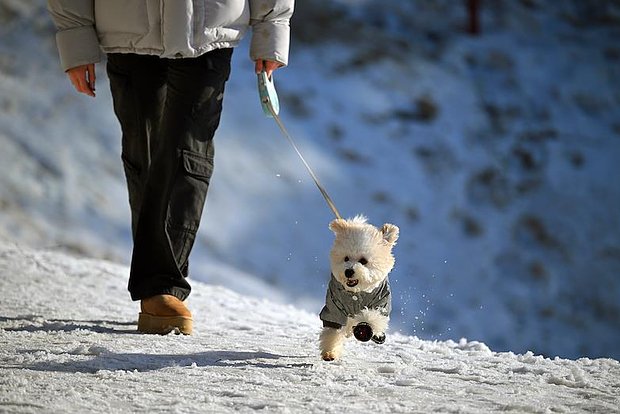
(83, 78)
(268, 66)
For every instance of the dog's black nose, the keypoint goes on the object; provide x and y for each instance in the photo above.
(349, 272)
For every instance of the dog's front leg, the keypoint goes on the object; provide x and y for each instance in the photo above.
(331, 343)
(377, 321)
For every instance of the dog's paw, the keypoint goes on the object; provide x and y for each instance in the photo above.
(362, 332)
(328, 356)
(378, 339)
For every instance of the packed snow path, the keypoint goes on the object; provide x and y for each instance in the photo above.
(68, 344)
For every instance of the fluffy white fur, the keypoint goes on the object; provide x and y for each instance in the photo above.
(331, 340)
(367, 251)
(331, 343)
(357, 240)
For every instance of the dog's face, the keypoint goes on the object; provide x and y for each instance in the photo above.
(361, 257)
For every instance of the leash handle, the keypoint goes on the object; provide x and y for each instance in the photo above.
(268, 95)
(271, 107)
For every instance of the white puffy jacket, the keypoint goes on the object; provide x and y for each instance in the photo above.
(169, 28)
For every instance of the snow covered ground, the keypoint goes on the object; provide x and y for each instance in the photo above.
(68, 344)
(495, 155)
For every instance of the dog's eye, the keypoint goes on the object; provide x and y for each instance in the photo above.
(363, 261)
(346, 258)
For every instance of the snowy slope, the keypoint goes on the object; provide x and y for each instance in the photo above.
(495, 156)
(68, 344)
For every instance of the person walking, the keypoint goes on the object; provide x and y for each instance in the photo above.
(168, 62)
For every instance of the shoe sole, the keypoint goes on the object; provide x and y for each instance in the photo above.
(163, 325)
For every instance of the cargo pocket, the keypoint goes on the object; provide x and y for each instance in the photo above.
(189, 190)
(187, 201)
(197, 166)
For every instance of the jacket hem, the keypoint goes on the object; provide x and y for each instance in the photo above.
(329, 324)
(162, 54)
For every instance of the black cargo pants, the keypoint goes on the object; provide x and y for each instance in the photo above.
(169, 110)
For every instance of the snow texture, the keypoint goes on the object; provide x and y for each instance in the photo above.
(496, 155)
(68, 344)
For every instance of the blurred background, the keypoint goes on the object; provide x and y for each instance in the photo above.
(488, 131)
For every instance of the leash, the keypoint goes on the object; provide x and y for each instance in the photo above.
(271, 107)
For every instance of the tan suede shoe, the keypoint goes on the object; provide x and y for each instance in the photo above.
(162, 314)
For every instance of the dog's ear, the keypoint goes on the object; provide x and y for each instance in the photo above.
(390, 233)
(338, 225)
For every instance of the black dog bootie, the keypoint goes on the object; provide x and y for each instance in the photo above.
(363, 332)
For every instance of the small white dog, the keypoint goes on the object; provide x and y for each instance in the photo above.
(358, 300)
